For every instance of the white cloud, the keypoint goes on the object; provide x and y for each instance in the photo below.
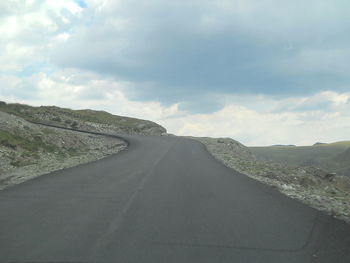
(29, 28)
(252, 127)
(75, 89)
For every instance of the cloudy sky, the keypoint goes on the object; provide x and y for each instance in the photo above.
(259, 71)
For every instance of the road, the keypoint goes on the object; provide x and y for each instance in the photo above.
(164, 199)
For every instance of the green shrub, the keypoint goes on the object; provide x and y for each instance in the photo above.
(74, 124)
(13, 141)
(57, 119)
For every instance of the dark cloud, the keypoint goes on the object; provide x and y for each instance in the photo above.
(175, 50)
(323, 105)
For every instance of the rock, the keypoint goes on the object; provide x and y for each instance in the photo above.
(330, 176)
(287, 187)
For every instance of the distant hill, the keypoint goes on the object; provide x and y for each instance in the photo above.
(332, 157)
(319, 143)
(341, 162)
(282, 145)
(344, 156)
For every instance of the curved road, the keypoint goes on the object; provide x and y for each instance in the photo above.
(164, 199)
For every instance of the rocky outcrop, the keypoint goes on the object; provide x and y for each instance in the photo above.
(99, 121)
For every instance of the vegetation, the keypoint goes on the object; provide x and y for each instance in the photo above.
(14, 141)
(26, 147)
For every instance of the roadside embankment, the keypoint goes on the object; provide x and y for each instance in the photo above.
(28, 150)
(327, 192)
(31, 144)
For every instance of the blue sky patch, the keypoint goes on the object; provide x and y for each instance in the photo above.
(81, 3)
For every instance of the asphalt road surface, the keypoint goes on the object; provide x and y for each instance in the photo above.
(164, 199)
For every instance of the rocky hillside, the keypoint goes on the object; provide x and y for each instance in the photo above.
(315, 187)
(100, 121)
(28, 149)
